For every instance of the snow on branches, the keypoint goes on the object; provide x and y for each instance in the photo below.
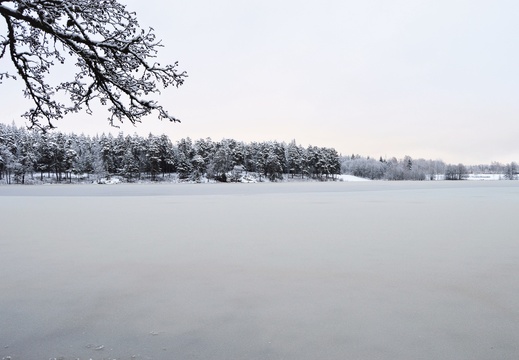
(114, 58)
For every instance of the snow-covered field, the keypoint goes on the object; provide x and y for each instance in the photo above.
(486, 177)
(343, 270)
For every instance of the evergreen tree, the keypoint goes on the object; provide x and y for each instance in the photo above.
(154, 155)
(130, 168)
(221, 163)
(273, 167)
(184, 165)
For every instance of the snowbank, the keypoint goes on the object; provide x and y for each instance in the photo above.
(105, 181)
(485, 177)
(350, 178)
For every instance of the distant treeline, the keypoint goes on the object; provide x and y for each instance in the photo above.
(32, 156)
(420, 169)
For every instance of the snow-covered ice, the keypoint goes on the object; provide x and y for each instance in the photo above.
(343, 270)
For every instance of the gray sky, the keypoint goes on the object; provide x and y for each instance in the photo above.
(432, 79)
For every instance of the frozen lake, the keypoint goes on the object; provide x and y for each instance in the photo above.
(371, 270)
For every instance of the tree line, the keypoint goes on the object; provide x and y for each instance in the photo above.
(420, 169)
(30, 156)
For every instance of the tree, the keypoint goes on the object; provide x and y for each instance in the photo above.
(204, 149)
(221, 162)
(111, 51)
(184, 165)
(273, 167)
(511, 171)
(295, 158)
(153, 154)
(84, 162)
(108, 158)
(456, 172)
(365, 168)
(129, 165)
(408, 163)
(8, 147)
(198, 164)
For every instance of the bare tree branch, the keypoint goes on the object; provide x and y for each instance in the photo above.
(112, 53)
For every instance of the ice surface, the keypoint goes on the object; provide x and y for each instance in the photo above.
(368, 270)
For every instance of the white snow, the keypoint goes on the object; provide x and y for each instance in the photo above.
(337, 270)
(486, 177)
(107, 181)
(345, 177)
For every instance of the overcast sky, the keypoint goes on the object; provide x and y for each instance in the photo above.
(433, 79)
